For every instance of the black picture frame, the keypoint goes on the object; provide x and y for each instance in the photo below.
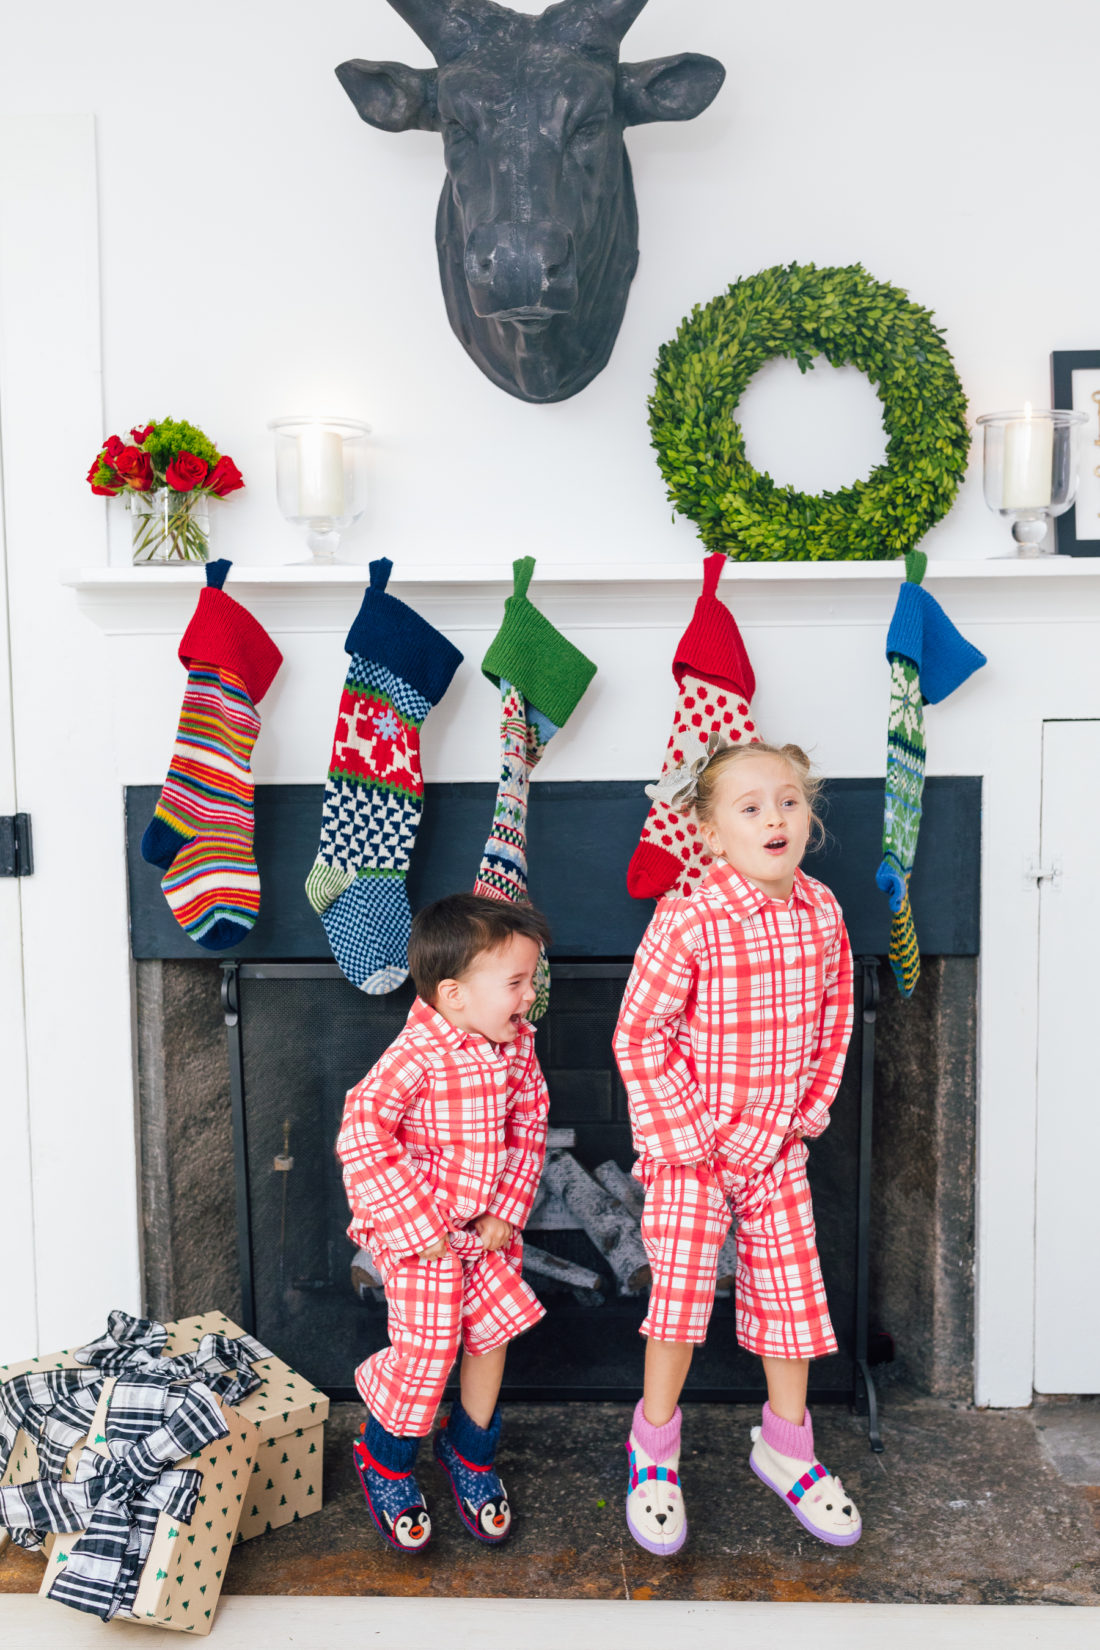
(1063, 364)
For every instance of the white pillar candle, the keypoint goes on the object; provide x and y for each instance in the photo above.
(320, 472)
(1029, 452)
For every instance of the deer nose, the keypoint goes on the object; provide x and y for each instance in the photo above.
(521, 269)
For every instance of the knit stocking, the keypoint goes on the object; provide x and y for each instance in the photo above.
(905, 757)
(716, 685)
(542, 676)
(201, 832)
(502, 874)
(400, 667)
(929, 659)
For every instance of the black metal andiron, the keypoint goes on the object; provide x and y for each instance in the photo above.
(537, 227)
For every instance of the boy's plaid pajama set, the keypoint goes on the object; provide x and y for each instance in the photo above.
(731, 1042)
(446, 1127)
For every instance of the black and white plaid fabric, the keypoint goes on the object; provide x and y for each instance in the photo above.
(117, 1499)
(130, 1343)
(54, 1407)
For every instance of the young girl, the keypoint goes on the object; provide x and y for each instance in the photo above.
(731, 1042)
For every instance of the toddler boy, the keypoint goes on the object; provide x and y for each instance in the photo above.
(442, 1146)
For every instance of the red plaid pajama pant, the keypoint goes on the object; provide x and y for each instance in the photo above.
(436, 1306)
(781, 1309)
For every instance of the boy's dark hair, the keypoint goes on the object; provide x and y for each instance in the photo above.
(448, 936)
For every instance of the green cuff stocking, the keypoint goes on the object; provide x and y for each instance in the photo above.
(541, 676)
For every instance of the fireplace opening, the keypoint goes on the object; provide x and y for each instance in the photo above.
(239, 1107)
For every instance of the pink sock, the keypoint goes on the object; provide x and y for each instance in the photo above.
(658, 1442)
(785, 1437)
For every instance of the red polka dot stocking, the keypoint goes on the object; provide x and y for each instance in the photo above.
(716, 684)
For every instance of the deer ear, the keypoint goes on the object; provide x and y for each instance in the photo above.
(391, 96)
(668, 88)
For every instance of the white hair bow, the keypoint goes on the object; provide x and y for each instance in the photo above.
(677, 786)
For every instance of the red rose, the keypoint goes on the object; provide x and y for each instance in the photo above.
(111, 448)
(224, 478)
(186, 472)
(140, 437)
(98, 466)
(135, 468)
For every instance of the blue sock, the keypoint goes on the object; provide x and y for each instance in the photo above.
(393, 1453)
(477, 1445)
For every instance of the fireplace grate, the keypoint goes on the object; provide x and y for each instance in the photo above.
(300, 1036)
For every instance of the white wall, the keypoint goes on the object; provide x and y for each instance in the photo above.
(262, 251)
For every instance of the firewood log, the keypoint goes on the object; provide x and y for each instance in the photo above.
(632, 1196)
(610, 1226)
(365, 1279)
(585, 1285)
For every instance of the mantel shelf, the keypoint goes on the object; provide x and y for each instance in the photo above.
(588, 596)
(140, 582)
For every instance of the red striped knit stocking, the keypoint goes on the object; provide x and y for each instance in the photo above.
(201, 833)
(716, 684)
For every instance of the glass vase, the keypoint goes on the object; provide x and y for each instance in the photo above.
(169, 527)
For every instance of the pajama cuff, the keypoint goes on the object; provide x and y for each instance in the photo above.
(514, 1210)
(814, 1121)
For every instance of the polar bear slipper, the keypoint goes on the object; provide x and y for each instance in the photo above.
(655, 1513)
(817, 1499)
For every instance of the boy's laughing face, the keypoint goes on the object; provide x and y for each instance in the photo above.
(495, 992)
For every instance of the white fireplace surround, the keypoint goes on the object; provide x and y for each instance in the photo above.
(92, 697)
(815, 635)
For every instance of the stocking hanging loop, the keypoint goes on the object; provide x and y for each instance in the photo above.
(523, 571)
(380, 571)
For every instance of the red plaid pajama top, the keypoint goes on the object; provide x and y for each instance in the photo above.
(447, 1126)
(735, 1023)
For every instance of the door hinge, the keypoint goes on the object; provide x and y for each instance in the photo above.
(16, 850)
(1040, 871)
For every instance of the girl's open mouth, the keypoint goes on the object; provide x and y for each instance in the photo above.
(777, 845)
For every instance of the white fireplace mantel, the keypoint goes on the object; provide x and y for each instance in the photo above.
(580, 595)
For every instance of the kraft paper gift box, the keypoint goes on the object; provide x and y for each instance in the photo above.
(183, 1573)
(288, 1415)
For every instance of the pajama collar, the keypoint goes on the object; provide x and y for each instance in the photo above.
(431, 1024)
(731, 888)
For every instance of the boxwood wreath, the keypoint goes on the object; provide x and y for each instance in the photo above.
(801, 311)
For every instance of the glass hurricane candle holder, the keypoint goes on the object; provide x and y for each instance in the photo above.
(321, 477)
(1029, 468)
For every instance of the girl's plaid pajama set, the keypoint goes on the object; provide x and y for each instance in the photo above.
(446, 1127)
(731, 1042)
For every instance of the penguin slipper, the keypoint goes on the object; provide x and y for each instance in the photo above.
(480, 1497)
(394, 1501)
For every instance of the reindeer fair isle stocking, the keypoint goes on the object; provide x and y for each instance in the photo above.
(716, 685)
(542, 677)
(201, 833)
(400, 667)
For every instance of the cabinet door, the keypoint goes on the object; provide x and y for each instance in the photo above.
(1067, 1233)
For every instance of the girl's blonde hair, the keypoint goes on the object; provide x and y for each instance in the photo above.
(808, 781)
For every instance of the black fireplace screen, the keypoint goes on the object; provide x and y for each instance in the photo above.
(301, 1036)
